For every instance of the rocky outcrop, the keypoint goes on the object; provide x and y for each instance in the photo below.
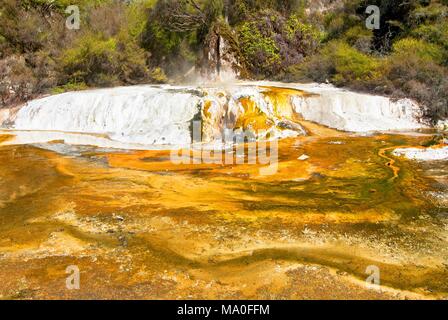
(160, 116)
(423, 154)
(442, 125)
(356, 112)
(165, 115)
(221, 59)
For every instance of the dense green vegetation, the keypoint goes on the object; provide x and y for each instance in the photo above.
(153, 41)
(407, 57)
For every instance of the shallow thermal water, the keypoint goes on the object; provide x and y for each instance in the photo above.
(138, 225)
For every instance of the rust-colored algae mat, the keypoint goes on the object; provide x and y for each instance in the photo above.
(136, 225)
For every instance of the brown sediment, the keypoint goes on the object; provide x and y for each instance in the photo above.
(5, 137)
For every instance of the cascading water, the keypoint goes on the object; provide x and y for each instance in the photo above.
(356, 112)
(144, 115)
(151, 116)
(157, 116)
(359, 113)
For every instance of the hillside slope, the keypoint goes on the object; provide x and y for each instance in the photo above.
(159, 41)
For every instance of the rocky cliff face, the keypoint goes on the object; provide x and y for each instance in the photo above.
(221, 58)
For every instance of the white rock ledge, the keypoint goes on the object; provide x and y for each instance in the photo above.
(354, 112)
(423, 154)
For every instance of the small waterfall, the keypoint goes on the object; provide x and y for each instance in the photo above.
(144, 115)
(155, 115)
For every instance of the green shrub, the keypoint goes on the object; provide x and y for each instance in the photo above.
(136, 17)
(98, 61)
(158, 75)
(414, 72)
(410, 46)
(432, 12)
(241, 10)
(360, 38)
(132, 60)
(343, 65)
(260, 51)
(162, 42)
(351, 65)
(23, 30)
(336, 22)
(271, 42)
(17, 82)
(435, 33)
(71, 86)
(89, 59)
